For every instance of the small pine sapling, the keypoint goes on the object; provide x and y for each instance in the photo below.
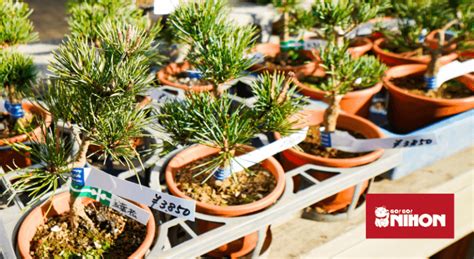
(15, 26)
(17, 76)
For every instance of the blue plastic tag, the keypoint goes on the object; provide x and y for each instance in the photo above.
(15, 110)
(326, 139)
(430, 82)
(195, 74)
(221, 174)
(77, 176)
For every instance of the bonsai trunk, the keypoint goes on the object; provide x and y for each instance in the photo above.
(339, 36)
(434, 65)
(77, 208)
(332, 112)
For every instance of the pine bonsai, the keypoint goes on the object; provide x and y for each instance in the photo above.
(86, 16)
(218, 47)
(337, 19)
(96, 88)
(17, 76)
(15, 26)
(345, 74)
(216, 122)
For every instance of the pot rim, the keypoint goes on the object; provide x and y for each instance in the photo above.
(139, 253)
(37, 109)
(313, 62)
(163, 76)
(417, 68)
(379, 50)
(255, 206)
(361, 160)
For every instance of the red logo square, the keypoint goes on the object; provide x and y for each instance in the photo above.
(410, 216)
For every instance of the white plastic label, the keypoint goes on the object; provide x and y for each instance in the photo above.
(120, 205)
(164, 202)
(161, 95)
(2, 106)
(258, 155)
(163, 7)
(344, 141)
(453, 70)
(314, 44)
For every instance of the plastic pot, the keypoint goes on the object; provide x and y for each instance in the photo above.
(433, 42)
(10, 158)
(243, 245)
(272, 50)
(362, 46)
(408, 112)
(292, 158)
(395, 59)
(355, 102)
(174, 69)
(60, 205)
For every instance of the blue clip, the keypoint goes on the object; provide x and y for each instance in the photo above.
(221, 174)
(16, 111)
(195, 74)
(326, 139)
(430, 82)
(77, 176)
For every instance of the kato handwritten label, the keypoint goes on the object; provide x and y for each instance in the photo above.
(108, 199)
(314, 44)
(163, 7)
(342, 140)
(161, 96)
(164, 202)
(258, 155)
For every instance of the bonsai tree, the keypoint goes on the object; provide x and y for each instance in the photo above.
(215, 122)
(15, 26)
(345, 74)
(218, 47)
(17, 76)
(86, 16)
(337, 19)
(96, 88)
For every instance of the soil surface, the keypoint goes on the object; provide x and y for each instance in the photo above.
(295, 58)
(451, 89)
(311, 145)
(241, 188)
(182, 78)
(115, 236)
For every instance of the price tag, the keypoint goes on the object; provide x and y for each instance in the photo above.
(258, 155)
(344, 141)
(120, 205)
(164, 202)
(163, 7)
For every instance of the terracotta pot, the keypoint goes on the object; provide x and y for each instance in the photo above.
(395, 59)
(432, 41)
(272, 50)
(292, 158)
(408, 112)
(175, 69)
(355, 102)
(10, 158)
(60, 205)
(362, 46)
(241, 246)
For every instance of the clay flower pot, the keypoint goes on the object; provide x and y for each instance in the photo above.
(362, 46)
(292, 158)
(395, 59)
(246, 244)
(432, 41)
(60, 205)
(355, 102)
(174, 69)
(408, 112)
(9, 158)
(272, 50)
